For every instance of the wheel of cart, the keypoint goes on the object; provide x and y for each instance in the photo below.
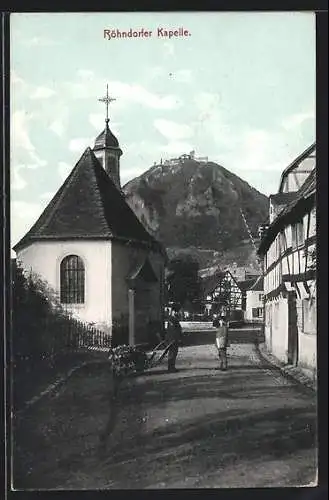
(155, 357)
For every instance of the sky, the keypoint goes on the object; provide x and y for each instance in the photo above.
(238, 88)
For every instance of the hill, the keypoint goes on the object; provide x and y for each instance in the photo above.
(195, 207)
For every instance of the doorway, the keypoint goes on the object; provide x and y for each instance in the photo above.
(292, 329)
(144, 289)
(144, 310)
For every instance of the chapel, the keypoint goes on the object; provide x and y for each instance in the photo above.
(89, 246)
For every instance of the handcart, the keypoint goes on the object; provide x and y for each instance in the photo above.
(136, 359)
(153, 359)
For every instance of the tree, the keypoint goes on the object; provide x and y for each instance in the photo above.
(183, 283)
(40, 324)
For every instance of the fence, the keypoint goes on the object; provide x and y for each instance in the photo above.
(52, 336)
(91, 337)
(73, 335)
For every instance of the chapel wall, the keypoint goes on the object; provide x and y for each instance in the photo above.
(44, 258)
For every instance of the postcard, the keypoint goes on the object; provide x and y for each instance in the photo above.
(163, 239)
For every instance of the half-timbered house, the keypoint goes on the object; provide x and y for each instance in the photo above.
(288, 248)
(222, 294)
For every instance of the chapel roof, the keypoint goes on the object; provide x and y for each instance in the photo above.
(106, 139)
(88, 206)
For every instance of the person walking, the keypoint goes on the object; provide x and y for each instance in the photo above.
(222, 341)
(173, 337)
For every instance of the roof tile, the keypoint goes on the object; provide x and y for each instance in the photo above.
(88, 205)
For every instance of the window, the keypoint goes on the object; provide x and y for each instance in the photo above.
(294, 236)
(257, 312)
(300, 233)
(297, 231)
(287, 237)
(312, 216)
(72, 280)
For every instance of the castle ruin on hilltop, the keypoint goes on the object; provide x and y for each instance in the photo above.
(184, 157)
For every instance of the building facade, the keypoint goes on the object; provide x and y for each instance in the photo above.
(255, 302)
(222, 294)
(288, 249)
(93, 252)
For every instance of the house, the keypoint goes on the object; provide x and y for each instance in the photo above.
(244, 287)
(254, 301)
(288, 248)
(243, 273)
(221, 294)
(92, 250)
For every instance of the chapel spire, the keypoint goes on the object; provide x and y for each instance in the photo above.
(107, 148)
(107, 100)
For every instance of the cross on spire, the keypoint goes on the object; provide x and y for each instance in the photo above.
(107, 99)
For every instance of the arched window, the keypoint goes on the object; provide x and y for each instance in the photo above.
(72, 275)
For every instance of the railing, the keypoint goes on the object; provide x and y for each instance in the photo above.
(81, 335)
(93, 338)
(53, 336)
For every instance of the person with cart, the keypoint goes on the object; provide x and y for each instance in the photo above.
(173, 338)
(222, 342)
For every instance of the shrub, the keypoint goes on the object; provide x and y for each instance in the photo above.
(41, 327)
(127, 359)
